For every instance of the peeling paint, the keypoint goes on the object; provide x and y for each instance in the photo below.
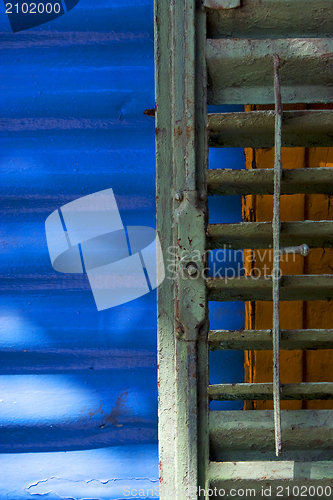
(92, 489)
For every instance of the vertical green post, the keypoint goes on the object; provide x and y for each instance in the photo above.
(181, 149)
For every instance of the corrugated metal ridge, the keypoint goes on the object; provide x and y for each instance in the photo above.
(68, 38)
(22, 124)
(20, 361)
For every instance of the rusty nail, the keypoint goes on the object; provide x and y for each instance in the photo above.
(149, 112)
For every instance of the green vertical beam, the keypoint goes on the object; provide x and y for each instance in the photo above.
(201, 172)
(165, 292)
(181, 146)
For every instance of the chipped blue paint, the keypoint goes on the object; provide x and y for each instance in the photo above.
(78, 399)
(106, 471)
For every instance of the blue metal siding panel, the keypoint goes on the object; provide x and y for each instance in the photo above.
(106, 474)
(73, 379)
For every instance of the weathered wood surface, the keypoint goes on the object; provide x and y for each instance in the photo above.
(254, 430)
(181, 147)
(278, 18)
(240, 71)
(258, 479)
(264, 391)
(255, 129)
(260, 181)
(316, 234)
(306, 287)
(262, 339)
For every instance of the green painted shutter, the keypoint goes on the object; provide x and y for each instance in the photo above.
(223, 52)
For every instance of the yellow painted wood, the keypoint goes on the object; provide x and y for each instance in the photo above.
(296, 366)
(318, 364)
(259, 364)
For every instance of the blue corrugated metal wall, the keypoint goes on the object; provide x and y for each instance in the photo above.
(78, 400)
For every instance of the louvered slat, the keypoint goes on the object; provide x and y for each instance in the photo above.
(264, 391)
(240, 70)
(303, 287)
(301, 180)
(316, 234)
(273, 18)
(262, 339)
(258, 479)
(231, 432)
(255, 129)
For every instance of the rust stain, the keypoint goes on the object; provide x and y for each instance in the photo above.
(99, 410)
(189, 131)
(118, 411)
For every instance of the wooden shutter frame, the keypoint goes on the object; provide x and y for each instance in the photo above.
(182, 217)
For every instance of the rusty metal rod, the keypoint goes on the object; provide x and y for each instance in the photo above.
(276, 258)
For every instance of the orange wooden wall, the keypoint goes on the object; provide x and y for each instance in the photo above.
(296, 366)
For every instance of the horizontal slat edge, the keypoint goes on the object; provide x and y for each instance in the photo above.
(230, 431)
(299, 18)
(316, 234)
(240, 71)
(304, 287)
(255, 129)
(264, 391)
(301, 180)
(224, 475)
(262, 339)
